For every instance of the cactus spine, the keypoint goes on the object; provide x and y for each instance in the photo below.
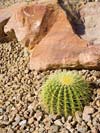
(64, 93)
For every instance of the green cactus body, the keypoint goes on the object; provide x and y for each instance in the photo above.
(64, 93)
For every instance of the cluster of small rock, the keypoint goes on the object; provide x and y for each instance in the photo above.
(6, 3)
(20, 109)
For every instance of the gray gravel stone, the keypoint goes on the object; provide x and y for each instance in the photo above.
(1, 111)
(58, 122)
(96, 74)
(23, 123)
(98, 82)
(54, 129)
(86, 117)
(63, 119)
(89, 124)
(17, 118)
(94, 130)
(41, 130)
(68, 126)
(69, 119)
(10, 131)
(78, 116)
(38, 115)
(81, 129)
(98, 92)
(31, 130)
(64, 130)
(31, 120)
(47, 123)
(98, 103)
(87, 112)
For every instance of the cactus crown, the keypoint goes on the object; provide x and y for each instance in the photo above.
(64, 93)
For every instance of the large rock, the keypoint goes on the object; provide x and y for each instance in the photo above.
(61, 47)
(90, 13)
(46, 29)
(29, 23)
(26, 22)
(6, 14)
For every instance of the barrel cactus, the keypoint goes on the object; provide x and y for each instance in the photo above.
(64, 93)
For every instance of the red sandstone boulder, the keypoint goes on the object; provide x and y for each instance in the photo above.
(6, 14)
(29, 23)
(26, 22)
(61, 47)
(47, 30)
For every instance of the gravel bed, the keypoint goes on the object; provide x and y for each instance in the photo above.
(6, 3)
(20, 110)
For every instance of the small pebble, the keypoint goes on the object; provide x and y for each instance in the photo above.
(31, 120)
(38, 115)
(54, 129)
(58, 123)
(17, 118)
(1, 111)
(23, 123)
(98, 92)
(78, 116)
(69, 119)
(98, 103)
(87, 112)
(10, 131)
(94, 130)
